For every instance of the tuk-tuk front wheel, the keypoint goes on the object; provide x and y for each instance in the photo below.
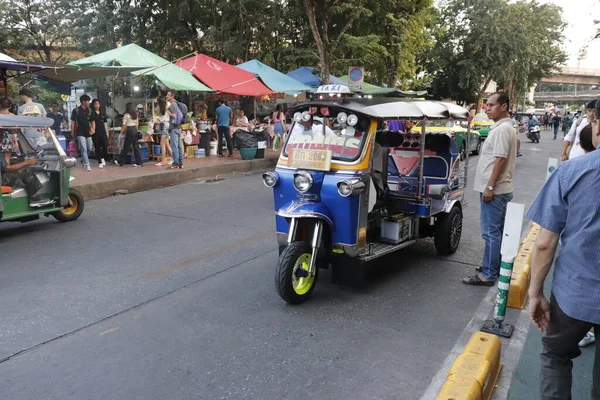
(292, 279)
(448, 230)
(73, 210)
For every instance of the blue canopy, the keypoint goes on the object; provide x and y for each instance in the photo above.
(308, 76)
(275, 80)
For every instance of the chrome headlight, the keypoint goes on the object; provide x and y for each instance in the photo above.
(70, 162)
(303, 181)
(350, 188)
(270, 178)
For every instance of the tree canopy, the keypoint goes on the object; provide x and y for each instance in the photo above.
(454, 50)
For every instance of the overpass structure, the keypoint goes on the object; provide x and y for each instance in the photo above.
(569, 85)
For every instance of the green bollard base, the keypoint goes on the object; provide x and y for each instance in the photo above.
(498, 328)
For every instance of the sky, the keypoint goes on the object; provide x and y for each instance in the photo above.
(580, 16)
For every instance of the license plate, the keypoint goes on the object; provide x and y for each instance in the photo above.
(317, 160)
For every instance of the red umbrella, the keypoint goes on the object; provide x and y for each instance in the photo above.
(223, 77)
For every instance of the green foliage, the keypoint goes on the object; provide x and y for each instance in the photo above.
(38, 25)
(514, 43)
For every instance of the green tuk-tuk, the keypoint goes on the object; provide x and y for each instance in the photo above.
(52, 169)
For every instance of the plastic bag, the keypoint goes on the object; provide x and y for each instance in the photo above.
(244, 139)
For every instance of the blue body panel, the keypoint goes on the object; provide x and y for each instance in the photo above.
(323, 198)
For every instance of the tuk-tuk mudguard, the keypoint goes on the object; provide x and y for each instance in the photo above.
(296, 209)
(341, 213)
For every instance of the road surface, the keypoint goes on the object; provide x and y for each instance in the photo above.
(169, 294)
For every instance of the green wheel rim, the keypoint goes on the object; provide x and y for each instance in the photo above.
(302, 285)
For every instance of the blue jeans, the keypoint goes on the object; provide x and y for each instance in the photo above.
(176, 146)
(555, 131)
(85, 146)
(492, 226)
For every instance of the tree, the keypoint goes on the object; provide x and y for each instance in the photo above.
(39, 25)
(389, 43)
(329, 20)
(537, 32)
(485, 40)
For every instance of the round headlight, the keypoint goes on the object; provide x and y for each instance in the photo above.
(303, 181)
(297, 116)
(270, 178)
(305, 116)
(352, 119)
(70, 162)
(345, 189)
(342, 117)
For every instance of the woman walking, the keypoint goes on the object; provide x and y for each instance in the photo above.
(129, 128)
(278, 118)
(165, 117)
(99, 130)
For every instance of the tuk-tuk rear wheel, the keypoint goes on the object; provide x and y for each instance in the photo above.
(448, 231)
(292, 279)
(73, 210)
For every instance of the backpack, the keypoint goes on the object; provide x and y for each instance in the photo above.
(181, 112)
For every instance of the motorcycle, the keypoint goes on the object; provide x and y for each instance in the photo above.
(533, 134)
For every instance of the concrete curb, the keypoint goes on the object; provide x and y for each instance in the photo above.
(520, 278)
(475, 371)
(158, 179)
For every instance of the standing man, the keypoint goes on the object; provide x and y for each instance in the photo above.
(556, 124)
(566, 123)
(571, 147)
(58, 120)
(224, 115)
(565, 209)
(80, 130)
(35, 136)
(494, 182)
(26, 96)
(175, 129)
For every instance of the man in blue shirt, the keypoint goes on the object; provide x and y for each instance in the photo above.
(58, 120)
(224, 115)
(567, 208)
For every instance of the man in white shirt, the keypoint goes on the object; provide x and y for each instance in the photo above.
(494, 182)
(571, 147)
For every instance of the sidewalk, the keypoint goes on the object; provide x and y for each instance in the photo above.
(100, 183)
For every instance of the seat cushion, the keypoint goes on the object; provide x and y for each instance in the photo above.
(6, 190)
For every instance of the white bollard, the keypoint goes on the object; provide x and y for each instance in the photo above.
(552, 164)
(511, 238)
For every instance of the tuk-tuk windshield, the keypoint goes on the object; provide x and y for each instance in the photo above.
(339, 132)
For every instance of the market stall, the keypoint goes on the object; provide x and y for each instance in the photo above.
(147, 64)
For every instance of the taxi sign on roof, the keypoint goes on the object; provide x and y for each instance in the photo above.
(335, 89)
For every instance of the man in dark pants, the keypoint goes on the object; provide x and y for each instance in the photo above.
(565, 208)
(556, 124)
(224, 115)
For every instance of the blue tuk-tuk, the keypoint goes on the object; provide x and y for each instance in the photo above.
(348, 191)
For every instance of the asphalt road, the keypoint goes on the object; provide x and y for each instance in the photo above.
(169, 294)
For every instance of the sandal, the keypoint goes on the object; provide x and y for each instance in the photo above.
(476, 281)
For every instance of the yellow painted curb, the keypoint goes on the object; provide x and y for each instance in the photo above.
(519, 281)
(475, 371)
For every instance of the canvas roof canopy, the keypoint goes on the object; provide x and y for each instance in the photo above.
(369, 88)
(60, 77)
(146, 63)
(277, 81)
(308, 76)
(224, 77)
